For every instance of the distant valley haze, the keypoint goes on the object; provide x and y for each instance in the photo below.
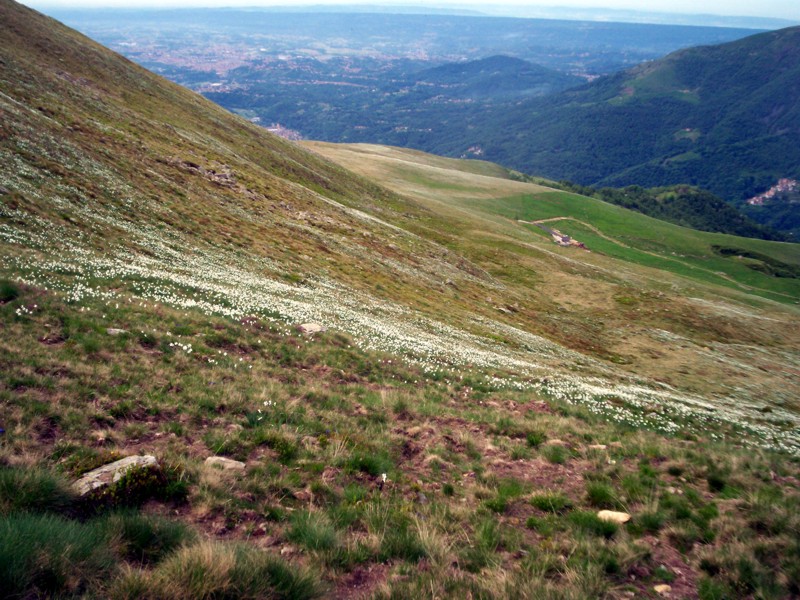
(782, 12)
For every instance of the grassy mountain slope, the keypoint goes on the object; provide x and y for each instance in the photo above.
(156, 254)
(720, 117)
(501, 194)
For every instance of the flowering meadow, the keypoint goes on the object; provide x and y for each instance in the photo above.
(158, 267)
(355, 386)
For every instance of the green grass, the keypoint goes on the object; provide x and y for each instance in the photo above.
(554, 502)
(33, 490)
(211, 570)
(147, 540)
(589, 523)
(649, 242)
(602, 495)
(312, 531)
(205, 366)
(507, 491)
(45, 554)
(8, 291)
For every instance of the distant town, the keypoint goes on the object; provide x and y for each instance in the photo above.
(784, 186)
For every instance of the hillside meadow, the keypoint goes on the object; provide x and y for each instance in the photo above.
(472, 395)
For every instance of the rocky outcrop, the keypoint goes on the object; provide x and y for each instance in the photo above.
(111, 473)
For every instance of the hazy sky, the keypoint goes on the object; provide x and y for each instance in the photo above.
(782, 9)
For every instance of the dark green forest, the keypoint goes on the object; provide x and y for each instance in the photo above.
(725, 118)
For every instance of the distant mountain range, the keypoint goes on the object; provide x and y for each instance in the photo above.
(719, 117)
(725, 118)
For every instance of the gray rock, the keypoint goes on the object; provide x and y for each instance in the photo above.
(311, 328)
(114, 331)
(111, 473)
(226, 464)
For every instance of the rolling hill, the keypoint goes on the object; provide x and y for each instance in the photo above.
(362, 371)
(495, 78)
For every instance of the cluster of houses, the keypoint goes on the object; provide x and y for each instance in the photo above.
(783, 186)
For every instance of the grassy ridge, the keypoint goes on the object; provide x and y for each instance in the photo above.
(685, 251)
(156, 256)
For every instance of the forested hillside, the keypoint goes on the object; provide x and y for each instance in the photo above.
(725, 118)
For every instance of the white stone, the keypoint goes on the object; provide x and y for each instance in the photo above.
(311, 328)
(662, 589)
(111, 473)
(115, 331)
(614, 516)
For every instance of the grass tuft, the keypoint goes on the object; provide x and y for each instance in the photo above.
(147, 539)
(312, 531)
(589, 522)
(33, 490)
(554, 502)
(9, 291)
(48, 556)
(213, 570)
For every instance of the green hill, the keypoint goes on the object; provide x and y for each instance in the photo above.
(477, 395)
(723, 118)
(683, 205)
(496, 78)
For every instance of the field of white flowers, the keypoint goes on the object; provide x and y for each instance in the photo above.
(161, 266)
(49, 237)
